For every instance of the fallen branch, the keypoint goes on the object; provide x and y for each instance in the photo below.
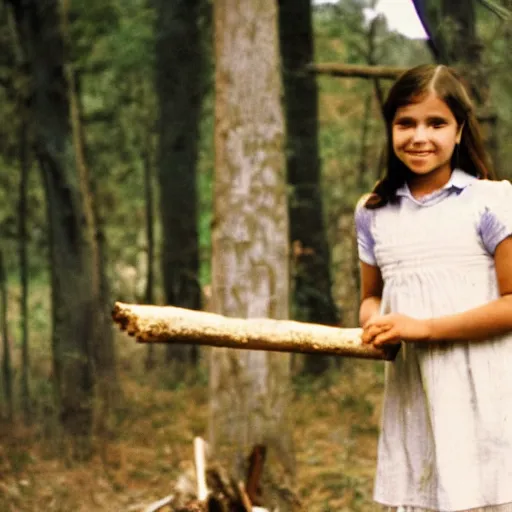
(167, 324)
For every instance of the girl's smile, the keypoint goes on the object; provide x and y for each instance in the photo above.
(419, 154)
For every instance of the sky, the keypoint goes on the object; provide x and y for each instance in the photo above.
(401, 16)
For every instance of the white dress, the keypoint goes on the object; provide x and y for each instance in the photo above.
(446, 432)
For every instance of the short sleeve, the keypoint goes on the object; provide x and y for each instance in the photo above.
(365, 241)
(496, 218)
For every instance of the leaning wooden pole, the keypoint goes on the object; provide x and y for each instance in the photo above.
(167, 324)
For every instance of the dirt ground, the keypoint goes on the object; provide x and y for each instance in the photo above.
(336, 427)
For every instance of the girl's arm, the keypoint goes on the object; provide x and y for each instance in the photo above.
(371, 292)
(492, 319)
(487, 321)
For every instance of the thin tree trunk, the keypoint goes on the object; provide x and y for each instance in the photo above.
(249, 390)
(312, 294)
(6, 356)
(25, 165)
(378, 93)
(179, 86)
(24, 270)
(107, 390)
(372, 60)
(149, 293)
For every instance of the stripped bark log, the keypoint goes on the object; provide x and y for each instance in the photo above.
(167, 324)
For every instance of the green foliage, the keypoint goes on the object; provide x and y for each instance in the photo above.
(115, 35)
(205, 187)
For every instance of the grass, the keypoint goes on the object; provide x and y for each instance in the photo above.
(335, 438)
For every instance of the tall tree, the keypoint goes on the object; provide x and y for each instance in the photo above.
(312, 295)
(180, 88)
(24, 267)
(77, 307)
(149, 292)
(249, 390)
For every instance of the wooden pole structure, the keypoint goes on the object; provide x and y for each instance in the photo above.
(355, 70)
(168, 324)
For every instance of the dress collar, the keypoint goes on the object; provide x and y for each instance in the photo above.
(458, 180)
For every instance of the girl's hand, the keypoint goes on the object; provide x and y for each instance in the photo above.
(391, 329)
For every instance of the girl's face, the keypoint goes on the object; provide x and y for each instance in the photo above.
(424, 136)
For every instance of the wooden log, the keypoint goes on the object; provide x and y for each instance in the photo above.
(355, 70)
(167, 324)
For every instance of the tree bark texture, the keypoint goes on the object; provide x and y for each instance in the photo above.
(180, 88)
(311, 278)
(167, 324)
(249, 390)
(75, 283)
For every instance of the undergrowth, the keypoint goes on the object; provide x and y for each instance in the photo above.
(336, 427)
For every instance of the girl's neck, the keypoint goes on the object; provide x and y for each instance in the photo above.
(423, 184)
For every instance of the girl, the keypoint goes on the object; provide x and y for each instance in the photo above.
(436, 270)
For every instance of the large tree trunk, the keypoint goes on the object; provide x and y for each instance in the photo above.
(179, 85)
(76, 304)
(249, 390)
(312, 296)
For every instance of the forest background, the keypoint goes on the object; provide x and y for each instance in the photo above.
(107, 172)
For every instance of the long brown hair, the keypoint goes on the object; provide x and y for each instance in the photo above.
(412, 86)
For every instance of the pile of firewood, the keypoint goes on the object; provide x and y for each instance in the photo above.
(214, 489)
